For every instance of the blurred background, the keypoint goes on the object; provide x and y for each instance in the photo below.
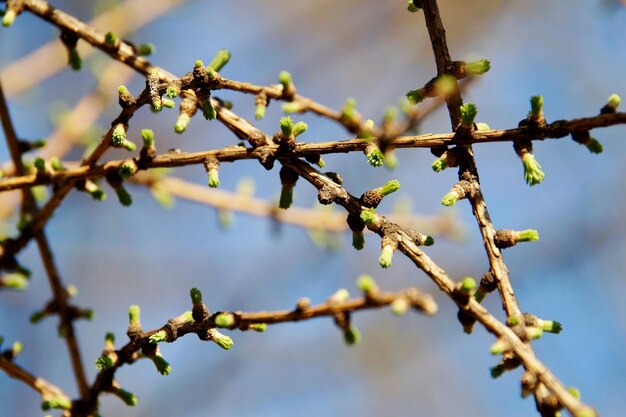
(573, 53)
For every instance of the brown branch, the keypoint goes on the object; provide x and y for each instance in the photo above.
(467, 164)
(556, 130)
(46, 389)
(176, 328)
(406, 243)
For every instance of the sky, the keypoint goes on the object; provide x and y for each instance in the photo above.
(571, 52)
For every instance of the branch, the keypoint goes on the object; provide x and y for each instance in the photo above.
(203, 324)
(556, 130)
(58, 290)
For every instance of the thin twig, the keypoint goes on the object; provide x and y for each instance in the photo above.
(556, 130)
(43, 387)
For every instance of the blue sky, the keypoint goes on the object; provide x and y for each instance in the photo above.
(572, 53)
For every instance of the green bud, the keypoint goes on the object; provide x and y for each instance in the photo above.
(165, 102)
(551, 326)
(259, 113)
(468, 284)
(128, 397)
(109, 339)
(214, 178)
(536, 107)
(208, 111)
(163, 367)
(440, 163)
(358, 240)
(221, 58)
(17, 348)
(416, 96)
(480, 126)
(349, 109)
(351, 336)
(512, 321)
(368, 216)
(55, 164)
(127, 169)
(224, 320)
(172, 92)
(88, 314)
(367, 284)
(497, 371)
(40, 193)
(186, 317)
(147, 135)
(286, 126)
(468, 114)
(122, 90)
(340, 296)
(429, 241)
(412, 7)
(157, 105)
(221, 340)
(181, 123)
(158, 337)
(75, 61)
(123, 196)
(534, 332)
(499, 347)
(286, 196)
(95, 191)
(614, 101)
(389, 187)
(400, 306)
(611, 106)
(575, 392)
(145, 49)
(299, 128)
(110, 38)
(292, 107)
(14, 281)
(320, 162)
(8, 18)
(196, 296)
(532, 170)
(375, 157)
(198, 63)
(118, 138)
(258, 327)
(133, 315)
(529, 235)
(40, 164)
(477, 67)
(104, 362)
(284, 77)
(37, 316)
(594, 146)
(56, 401)
(449, 199)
